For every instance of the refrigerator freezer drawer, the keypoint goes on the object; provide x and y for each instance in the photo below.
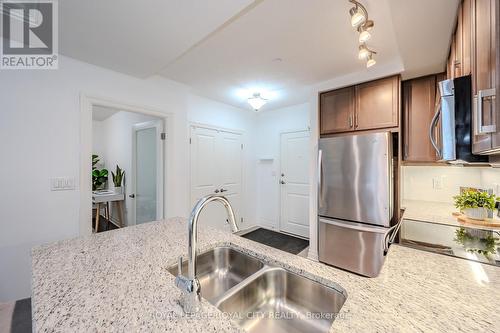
(355, 247)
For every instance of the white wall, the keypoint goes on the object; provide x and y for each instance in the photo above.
(441, 183)
(98, 140)
(40, 113)
(270, 125)
(112, 141)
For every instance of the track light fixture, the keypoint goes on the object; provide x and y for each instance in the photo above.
(370, 61)
(364, 31)
(365, 53)
(360, 21)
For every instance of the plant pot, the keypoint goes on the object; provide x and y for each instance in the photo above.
(479, 213)
(118, 190)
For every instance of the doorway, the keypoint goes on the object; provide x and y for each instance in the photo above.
(135, 124)
(216, 167)
(128, 155)
(294, 183)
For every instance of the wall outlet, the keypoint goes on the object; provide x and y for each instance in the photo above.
(62, 183)
(437, 183)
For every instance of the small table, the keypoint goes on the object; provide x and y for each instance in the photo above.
(100, 197)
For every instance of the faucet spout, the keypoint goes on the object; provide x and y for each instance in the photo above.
(190, 285)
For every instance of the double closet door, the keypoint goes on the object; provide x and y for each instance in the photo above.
(216, 168)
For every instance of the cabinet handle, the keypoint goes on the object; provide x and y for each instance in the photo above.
(478, 111)
(355, 121)
(350, 121)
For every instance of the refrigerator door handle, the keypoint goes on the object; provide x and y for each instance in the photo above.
(433, 126)
(320, 176)
(355, 226)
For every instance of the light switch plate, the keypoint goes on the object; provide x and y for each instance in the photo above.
(437, 183)
(62, 184)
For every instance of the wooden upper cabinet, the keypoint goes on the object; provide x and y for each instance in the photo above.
(451, 61)
(466, 37)
(495, 137)
(337, 111)
(367, 106)
(377, 104)
(419, 101)
(485, 46)
(458, 56)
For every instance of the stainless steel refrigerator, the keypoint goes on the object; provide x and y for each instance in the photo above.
(355, 201)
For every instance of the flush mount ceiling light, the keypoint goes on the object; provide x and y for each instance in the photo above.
(360, 21)
(256, 101)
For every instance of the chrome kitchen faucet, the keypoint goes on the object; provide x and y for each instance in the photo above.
(190, 286)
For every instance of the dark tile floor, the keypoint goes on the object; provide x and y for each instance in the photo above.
(104, 225)
(278, 240)
(17, 320)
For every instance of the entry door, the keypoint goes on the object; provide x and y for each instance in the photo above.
(147, 172)
(295, 148)
(216, 168)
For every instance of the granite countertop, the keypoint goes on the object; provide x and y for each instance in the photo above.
(118, 281)
(438, 212)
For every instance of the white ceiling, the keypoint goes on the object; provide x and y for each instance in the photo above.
(424, 30)
(138, 37)
(226, 49)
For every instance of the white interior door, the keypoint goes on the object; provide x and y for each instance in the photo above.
(147, 179)
(216, 168)
(294, 182)
(230, 172)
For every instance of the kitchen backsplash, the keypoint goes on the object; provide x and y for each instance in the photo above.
(441, 183)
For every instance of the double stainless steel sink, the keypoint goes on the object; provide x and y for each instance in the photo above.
(264, 298)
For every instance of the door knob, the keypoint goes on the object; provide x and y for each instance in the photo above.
(132, 195)
(216, 191)
(222, 190)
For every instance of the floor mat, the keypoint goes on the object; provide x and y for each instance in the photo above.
(15, 317)
(278, 240)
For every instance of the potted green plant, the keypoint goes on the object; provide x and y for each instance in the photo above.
(475, 204)
(99, 177)
(117, 179)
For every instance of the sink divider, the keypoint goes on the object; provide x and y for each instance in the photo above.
(244, 283)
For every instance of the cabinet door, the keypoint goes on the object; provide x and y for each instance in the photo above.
(458, 63)
(495, 48)
(419, 100)
(466, 37)
(450, 72)
(337, 111)
(451, 60)
(377, 104)
(484, 67)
